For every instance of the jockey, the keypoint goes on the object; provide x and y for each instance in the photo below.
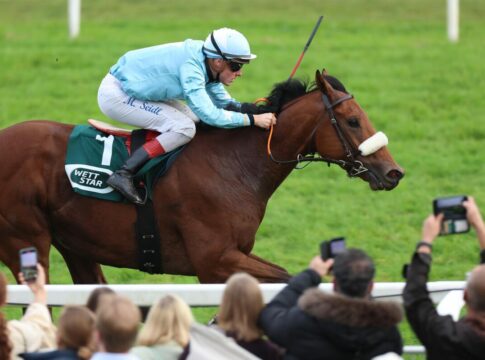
(145, 88)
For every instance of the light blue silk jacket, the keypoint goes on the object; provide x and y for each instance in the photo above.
(178, 71)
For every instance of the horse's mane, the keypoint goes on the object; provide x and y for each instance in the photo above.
(288, 90)
(284, 92)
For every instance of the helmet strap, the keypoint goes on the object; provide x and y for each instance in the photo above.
(210, 74)
(213, 40)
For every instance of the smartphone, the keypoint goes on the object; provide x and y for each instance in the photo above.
(330, 249)
(28, 263)
(454, 214)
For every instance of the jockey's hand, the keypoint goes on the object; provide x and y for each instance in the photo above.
(264, 120)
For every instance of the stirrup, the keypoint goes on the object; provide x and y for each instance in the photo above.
(144, 201)
(129, 195)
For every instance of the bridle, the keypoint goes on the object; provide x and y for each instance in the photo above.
(352, 166)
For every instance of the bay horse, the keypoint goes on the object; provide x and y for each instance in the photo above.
(208, 206)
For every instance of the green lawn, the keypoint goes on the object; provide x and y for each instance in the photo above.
(423, 91)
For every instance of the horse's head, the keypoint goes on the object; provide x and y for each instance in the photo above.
(347, 138)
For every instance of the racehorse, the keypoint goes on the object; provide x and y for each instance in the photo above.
(209, 204)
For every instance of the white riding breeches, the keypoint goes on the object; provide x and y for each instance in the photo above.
(173, 119)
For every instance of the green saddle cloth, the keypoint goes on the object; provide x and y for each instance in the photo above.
(92, 156)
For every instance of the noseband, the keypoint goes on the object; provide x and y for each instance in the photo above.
(352, 166)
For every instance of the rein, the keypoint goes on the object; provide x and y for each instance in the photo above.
(350, 164)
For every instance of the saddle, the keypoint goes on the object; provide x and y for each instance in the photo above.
(147, 235)
(123, 133)
(109, 129)
(94, 152)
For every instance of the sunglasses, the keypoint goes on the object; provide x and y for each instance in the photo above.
(235, 66)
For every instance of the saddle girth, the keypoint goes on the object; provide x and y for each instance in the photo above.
(146, 229)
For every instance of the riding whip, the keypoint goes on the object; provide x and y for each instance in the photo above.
(317, 25)
(312, 35)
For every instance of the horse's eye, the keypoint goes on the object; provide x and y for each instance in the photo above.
(353, 122)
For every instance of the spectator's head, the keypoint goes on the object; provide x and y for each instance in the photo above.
(475, 290)
(353, 272)
(241, 305)
(96, 297)
(76, 330)
(3, 289)
(168, 320)
(117, 321)
(5, 345)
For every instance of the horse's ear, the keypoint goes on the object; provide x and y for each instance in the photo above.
(323, 85)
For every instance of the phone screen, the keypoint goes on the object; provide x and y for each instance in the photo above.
(454, 214)
(450, 226)
(337, 246)
(28, 259)
(449, 202)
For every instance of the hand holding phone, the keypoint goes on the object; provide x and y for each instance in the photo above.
(28, 263)
(322, 267)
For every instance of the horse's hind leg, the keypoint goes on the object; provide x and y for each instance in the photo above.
(82, 270)
(255, 257)
(231, 261)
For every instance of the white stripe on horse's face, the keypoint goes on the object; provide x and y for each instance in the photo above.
(374, 143)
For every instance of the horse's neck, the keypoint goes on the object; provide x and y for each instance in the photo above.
(296, 126)
(245, 156)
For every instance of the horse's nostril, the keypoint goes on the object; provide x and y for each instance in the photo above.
(395, 174)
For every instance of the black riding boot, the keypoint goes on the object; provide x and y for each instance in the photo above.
(122, 179)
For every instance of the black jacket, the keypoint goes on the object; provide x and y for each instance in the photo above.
(314, 325)
(442, 337)
(66, 354)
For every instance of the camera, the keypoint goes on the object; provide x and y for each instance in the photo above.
(330, 249)
(454, 214)
(28, 263)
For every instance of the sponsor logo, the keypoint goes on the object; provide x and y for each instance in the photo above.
(89, 178)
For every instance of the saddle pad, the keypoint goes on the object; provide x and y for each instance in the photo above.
(92, 156)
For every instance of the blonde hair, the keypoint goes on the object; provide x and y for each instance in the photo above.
(117, 321)
(241, 305)
(168, 320)
(76, 330)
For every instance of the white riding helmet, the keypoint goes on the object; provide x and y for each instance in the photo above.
(228, 44)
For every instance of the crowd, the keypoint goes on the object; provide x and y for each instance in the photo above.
(300, 322)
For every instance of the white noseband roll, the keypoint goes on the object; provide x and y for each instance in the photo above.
(374, 143)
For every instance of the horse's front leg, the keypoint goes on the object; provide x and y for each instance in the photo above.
(11, 245)
(82, 269)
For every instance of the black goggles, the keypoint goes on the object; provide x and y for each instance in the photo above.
(235, 66)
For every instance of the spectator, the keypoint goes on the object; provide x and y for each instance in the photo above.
(241, 305)
(443, 337)
(312, 324)
(165, 334)
(96, 297)
(35, 330)
(117, 321)
(75, 333)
